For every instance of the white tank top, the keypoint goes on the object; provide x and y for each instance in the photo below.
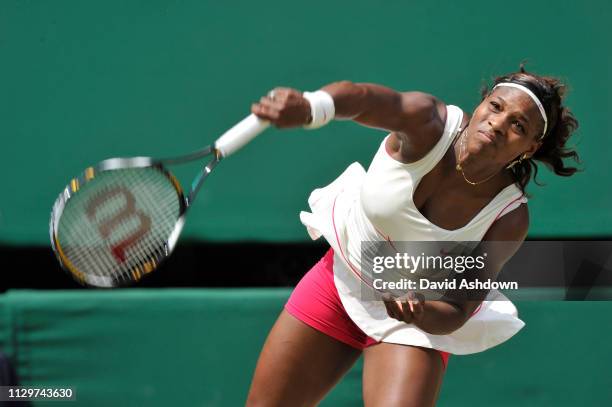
(378, 205)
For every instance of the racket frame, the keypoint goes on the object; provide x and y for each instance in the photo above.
(112, 164)
(229, 142)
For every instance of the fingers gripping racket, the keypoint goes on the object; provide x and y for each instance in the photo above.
(120, 219)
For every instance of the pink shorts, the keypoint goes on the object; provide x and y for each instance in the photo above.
(315, 302)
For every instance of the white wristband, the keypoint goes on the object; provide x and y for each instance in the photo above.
(322, 108)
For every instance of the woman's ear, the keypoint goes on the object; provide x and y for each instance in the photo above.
(532, 150)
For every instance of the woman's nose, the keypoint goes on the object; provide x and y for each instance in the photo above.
(496, 125)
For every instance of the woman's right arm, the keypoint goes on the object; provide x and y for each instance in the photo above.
(368, 104)
(380, 107)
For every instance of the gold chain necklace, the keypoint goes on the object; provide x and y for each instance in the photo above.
(459, 168)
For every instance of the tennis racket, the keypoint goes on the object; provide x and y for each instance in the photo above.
(120, 219)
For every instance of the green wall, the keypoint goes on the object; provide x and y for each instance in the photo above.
(199, 348)
(83, 81)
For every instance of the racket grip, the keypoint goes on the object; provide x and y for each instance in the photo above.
(239, 135)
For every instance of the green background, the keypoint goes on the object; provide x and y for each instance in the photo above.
(199, 348)
(84, 81)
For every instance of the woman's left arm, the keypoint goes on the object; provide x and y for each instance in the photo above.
(442, 317)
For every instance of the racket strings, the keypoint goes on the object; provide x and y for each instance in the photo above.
(138, 254)
(119, 222)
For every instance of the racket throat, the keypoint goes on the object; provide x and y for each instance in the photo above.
(199, 180)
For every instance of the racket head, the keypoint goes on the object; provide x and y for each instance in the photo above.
(117, 221)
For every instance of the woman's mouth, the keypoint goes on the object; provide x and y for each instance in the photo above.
(487, 136)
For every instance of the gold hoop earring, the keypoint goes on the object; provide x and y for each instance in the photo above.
(515, 162)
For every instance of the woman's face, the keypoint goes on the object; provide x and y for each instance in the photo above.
(506, 124)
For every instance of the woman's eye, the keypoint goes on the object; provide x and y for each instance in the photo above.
(495, 105)
(520, 126)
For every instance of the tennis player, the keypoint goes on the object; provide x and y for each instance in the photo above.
(439, 175)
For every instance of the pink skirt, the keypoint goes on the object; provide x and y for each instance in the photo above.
(315, 302)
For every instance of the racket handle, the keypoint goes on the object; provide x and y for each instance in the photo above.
(239, 135)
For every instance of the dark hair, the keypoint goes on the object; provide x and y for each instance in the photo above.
(561, 125)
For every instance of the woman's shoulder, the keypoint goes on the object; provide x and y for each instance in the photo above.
(422, 135)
